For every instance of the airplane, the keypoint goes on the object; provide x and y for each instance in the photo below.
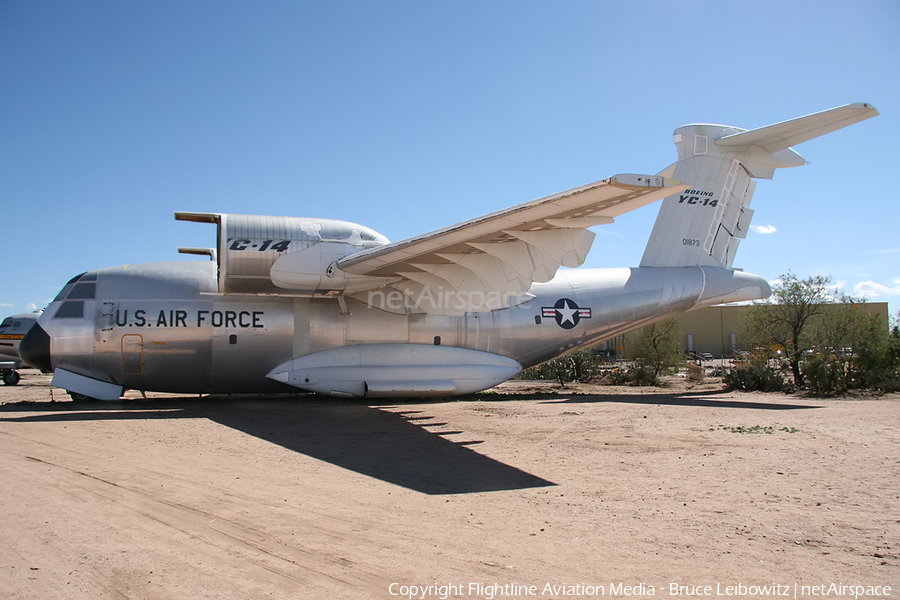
(12, 330)
(318, 305)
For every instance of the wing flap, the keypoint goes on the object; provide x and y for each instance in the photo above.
(530, 263)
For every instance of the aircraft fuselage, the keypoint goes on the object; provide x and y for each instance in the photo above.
(12, 331)
(164, 327)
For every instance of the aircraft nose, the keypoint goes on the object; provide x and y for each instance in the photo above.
(34, 348)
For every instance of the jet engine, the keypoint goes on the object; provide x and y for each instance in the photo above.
(264, 255)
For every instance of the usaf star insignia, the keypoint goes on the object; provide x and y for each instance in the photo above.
(566, 313)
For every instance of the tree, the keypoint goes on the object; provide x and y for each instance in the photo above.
(782, 321)
(852, 348)
(893, 349)
(655, 349)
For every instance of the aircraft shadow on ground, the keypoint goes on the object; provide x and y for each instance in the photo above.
(390, 446)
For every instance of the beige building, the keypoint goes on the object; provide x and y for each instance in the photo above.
(717, 329)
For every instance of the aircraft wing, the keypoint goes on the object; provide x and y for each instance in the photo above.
(505, 252)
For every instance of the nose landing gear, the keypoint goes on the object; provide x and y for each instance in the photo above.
(10, 377)
(76, 397)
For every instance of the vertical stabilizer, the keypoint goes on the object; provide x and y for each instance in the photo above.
(704, 224)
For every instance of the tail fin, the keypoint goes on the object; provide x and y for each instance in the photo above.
(704, 224)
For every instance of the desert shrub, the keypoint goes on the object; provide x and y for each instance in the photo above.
(754, 376)
(618, 376)
(883, 379)
(577, 366)
(643, 374)
(825, 377)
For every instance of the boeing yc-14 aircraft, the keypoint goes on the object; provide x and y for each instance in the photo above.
(318, 305)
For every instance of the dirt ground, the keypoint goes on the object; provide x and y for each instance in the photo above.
(528, 491)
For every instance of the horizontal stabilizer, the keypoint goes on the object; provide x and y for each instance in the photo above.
(704, 224)
(774, 138)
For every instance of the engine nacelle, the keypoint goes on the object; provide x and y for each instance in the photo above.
(248, 246)
(314, 269)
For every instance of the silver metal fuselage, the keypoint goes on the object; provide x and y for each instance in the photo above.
(12, 330)
(165, 327)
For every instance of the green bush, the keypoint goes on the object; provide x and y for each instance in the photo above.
(883, 379)
(618, 376)
(642, 374)
(578, 366)
(825, 377)
(754, 376)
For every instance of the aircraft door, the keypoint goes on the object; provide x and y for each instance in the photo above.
(132, 354)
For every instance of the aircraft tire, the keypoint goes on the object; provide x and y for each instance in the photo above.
(76, 397)
(11, 378)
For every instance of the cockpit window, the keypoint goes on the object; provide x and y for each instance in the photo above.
(334, 231)
(71, 309)
(7, 322)
(80, 288)
(64, 292)
(68, 287)
(368, 235)
(83, 291)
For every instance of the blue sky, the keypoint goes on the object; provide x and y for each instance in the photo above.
(410, 116)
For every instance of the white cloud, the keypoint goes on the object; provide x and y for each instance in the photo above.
(32, 306)
(835, 291)
(870, 289)
(5, 304)
(763, 228)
